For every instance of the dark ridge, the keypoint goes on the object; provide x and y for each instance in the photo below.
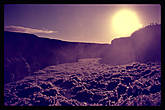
(25, 53)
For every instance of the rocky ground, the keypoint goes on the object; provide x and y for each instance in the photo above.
(88, 83)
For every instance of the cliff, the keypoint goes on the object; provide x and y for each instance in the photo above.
(26, 53)
(143, 45)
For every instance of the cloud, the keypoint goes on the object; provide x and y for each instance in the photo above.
(27, 30)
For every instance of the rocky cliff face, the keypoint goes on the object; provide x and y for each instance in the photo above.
(147, 43)
(143, 45)
(26, 53)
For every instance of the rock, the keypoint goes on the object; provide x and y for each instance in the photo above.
(138, 70)
(96, 98)
(126, 80)
(145, 92)
(14, 101)
(65, 104)
(135, 104)
(83, 96)
(134, 91)
(40, 101)
(158, 103)
(139, 84)
(136, 77)
(136, 66)
(124, 97)
(155, 88)
(106, 75)
(145, 72)
(104, 102)
(22, 86)
(159, 79)
(45, 86)
(7, 97)
(116, 75)
(67, 84)
(121, 89)
(147, 103)
(114, 99)
(76, 89)
(50, 92)
(112, 85)
(129, 91)
(15, 68)
(58, 82)
(124, 104)
(76, 78)
(49, 79)
(129, 67)
(93, 84)
(153, 73)
(122, 70)
(27, 91)
(147, 84)
(99, 78)
(101, 86)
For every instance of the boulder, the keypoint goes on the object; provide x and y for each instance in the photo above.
(58, 82)
(40, 101)
(121, 89)
(112, 85)
(126, 80)
(145, 92)
(65, 104)
(50, 92)
(155, 88)
(84, 96)
(45, 86)
(76, 89)
(27, 91)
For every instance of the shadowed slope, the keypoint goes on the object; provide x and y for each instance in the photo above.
(26, 53)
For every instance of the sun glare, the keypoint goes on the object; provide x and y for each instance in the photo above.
(125, 22)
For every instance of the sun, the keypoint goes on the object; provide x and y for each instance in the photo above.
(125, 22)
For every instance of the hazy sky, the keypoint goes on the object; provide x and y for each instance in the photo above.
(83, 23)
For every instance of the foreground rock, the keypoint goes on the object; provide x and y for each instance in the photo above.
(88, 83)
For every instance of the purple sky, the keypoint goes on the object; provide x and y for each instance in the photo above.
(83, 23)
